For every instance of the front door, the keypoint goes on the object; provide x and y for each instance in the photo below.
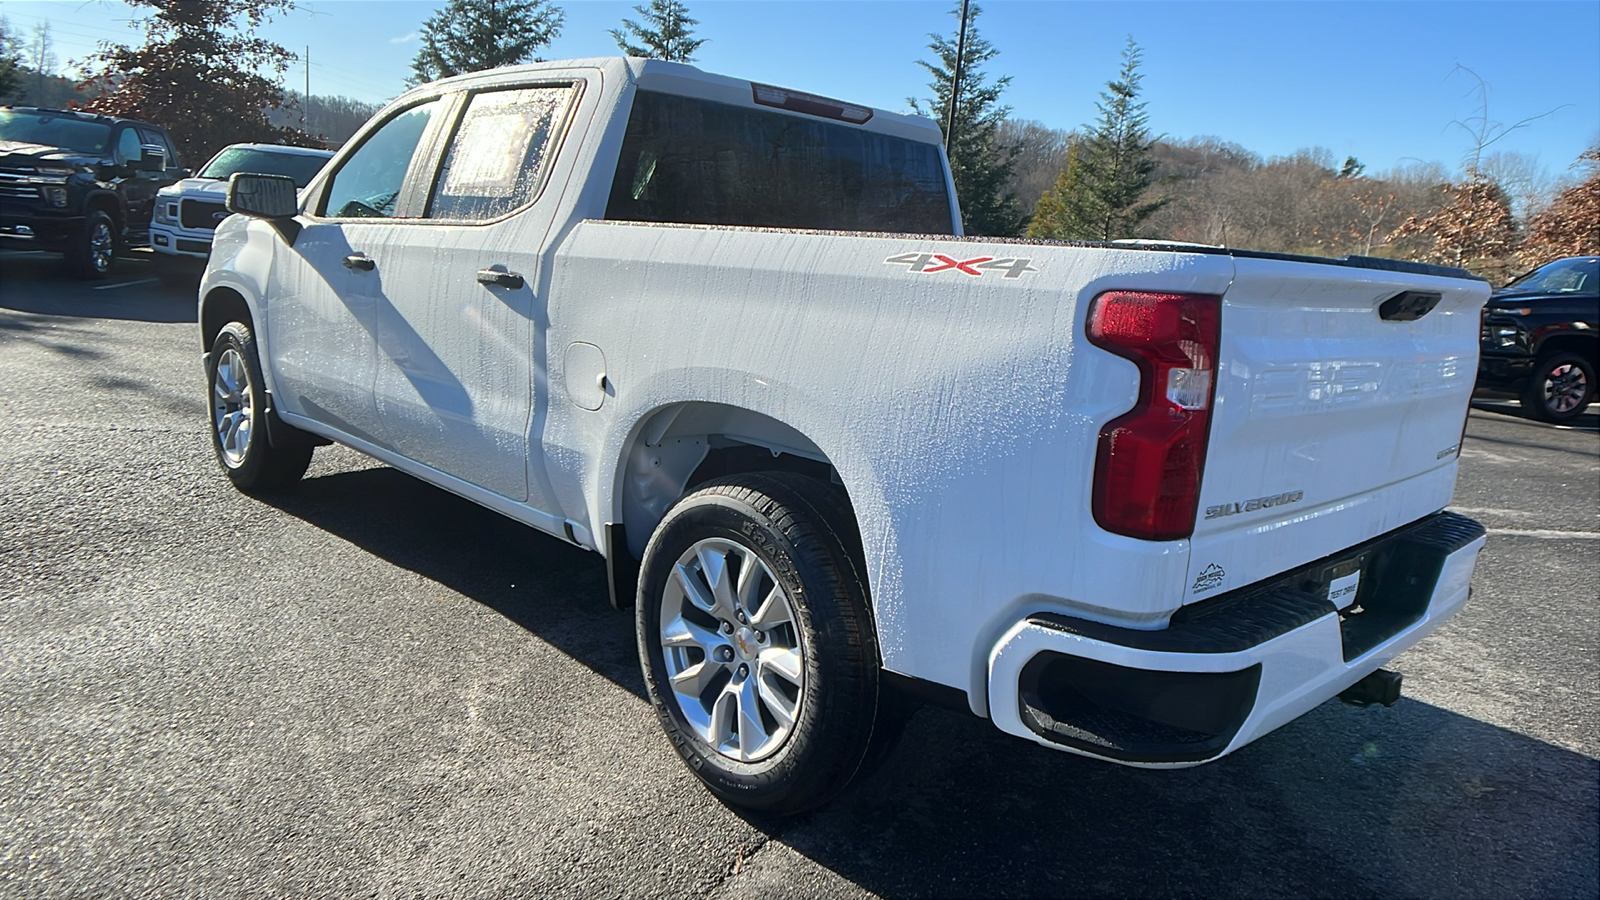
(327, 286)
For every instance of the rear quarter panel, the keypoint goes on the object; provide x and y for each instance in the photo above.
(961, 412)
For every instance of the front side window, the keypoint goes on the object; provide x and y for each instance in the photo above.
(701, 162)
(499, 155)
(369, 181)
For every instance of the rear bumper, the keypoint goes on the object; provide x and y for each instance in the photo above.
(1232, 668)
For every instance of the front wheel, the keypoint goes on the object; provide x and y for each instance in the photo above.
(238, 416)
(1561, 388)
(756, 641)
(92, 251)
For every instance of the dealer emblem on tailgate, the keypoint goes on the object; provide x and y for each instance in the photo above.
(1210, 578)
(929, 263)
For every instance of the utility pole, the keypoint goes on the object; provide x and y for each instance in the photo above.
(305, 106)
(955, 81)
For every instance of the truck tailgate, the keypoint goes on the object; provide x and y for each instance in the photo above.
(1331, 424)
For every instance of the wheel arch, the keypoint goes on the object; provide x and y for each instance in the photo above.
(1567, 341)
(220, 306)
(675, 447)
(111, 204)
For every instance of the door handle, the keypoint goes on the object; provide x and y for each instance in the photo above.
(360, 261)
(500, 279)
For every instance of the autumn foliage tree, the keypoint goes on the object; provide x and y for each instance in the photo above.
(1570, 225)
(1472, 229)
(199, 74)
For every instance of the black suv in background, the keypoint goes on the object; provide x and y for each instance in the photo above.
(1541, 339)
(80, 183)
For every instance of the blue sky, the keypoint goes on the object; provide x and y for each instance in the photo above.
(1368, 79)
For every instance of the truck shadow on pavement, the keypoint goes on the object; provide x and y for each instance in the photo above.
(1410, 801)
(552, 589)
(37, 283)
(1510, 411)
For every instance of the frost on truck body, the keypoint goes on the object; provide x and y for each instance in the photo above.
(732, 331)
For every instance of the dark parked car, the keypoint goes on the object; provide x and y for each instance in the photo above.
(1541, 339)
(80, 183)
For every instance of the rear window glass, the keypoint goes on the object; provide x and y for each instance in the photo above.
(497, 160)
(696, 161)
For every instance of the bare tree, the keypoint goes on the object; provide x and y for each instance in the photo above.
(1041, 154)
(41, 54)
(1481, 128)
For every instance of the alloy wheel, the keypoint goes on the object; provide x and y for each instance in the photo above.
(232, 409)
(732, 650)
(1565, 387)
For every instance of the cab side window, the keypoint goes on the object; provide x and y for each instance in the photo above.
(128, 146)
(498, 158)
(369, 181)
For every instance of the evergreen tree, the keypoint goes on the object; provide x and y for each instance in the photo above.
(1117, 165)
(665, 33)
(472, 35)
(199, 58)
(980, 165)
(1060, 214)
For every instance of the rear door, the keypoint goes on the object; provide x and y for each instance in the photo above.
(460, 341)
(1336, 418)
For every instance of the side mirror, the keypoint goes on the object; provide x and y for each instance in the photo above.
(262, 196)
(151, 159)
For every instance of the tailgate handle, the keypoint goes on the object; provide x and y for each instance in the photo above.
(1408, 306)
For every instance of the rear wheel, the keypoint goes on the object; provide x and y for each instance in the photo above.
(756, 641)
(238, 402)
(1561, 388)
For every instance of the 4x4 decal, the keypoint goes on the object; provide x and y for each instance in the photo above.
(929, 263)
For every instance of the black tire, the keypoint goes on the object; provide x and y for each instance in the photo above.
(238, 408)
(801, 531)
(92, 250)
(1561, 388)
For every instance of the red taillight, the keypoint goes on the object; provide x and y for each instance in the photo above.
(1147, 474)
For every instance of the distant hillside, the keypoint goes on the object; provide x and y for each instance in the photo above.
(334, 119)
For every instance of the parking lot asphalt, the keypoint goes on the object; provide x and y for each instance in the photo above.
(371, 687)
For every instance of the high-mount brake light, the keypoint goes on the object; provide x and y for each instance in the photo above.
(1147, 472)
(810, 104)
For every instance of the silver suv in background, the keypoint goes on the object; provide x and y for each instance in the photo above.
(186, 213)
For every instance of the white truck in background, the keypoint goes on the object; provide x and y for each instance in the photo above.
(187, 212)
(1140, 502)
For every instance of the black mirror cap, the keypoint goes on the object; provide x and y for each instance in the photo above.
(151, 159)
(262, 196)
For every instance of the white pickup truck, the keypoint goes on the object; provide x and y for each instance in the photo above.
(1142, 502)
